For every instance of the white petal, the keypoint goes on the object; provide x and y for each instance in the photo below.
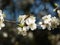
(27, 27)
(43, 26)
(58, 11)
(49, 15)
(24, 28)
(24, 33)
(3, 25)
(21, 17)
(33, 26)
(29, 21)
(49, 28)
(19, 28)
(40, 23)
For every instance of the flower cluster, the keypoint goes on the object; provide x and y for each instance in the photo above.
(28, 23)
(49, 22)
(1, 20)
(25, 23)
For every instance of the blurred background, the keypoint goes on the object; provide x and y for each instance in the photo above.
(39, 8)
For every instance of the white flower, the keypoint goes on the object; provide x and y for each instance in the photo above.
(1, 15)
(43, 26)
(49, 22)
(46, 22)
(25, 28)
(22, 31)
(32, 26)
(1, 20)
(22, 24)
(46, 18)
(21, 18)
(55, 20)
(40, 23)
(19, 29)
(30, 20)
(58, 11)
(27, 22)
(2, 25)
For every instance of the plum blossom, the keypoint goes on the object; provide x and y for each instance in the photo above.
(58, 11)
(31, 22)
(21, 18)
(1, 20)
(26, 23)
(49, 22)
(42, 26)
(33, 26)
(47, 18)
(22, 31)
(55, 22)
